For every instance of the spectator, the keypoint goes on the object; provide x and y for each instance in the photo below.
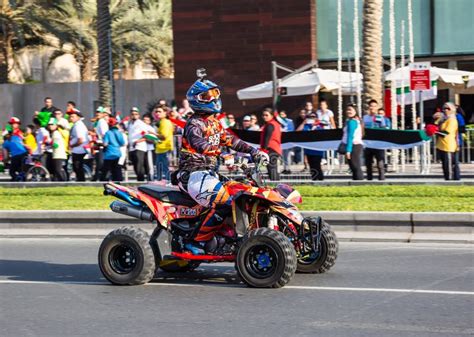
(164, 147)
(373, 120)
(101, 126)
(63, 122)
(325, 116)
(246, 123)
(352, 139)
(13, 146)
(150, 147)
(78, 143)
(41, 135)
(162, 102)
(113, 142)
(48, 105)
(446, 142)
(59, 155)
(298, 151)
(30, 140)
(137, 143)
(288, 126)
(314, 156)
(232, 123)
(270, 141)
(254, 123)
(461, 125)
(384, 121)
(309, 107)
(186, 108)
(70, 105)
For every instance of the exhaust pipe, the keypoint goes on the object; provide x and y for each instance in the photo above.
(138, 212)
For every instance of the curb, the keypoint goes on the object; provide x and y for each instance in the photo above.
(349, 226)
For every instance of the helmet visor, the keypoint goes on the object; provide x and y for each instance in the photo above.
(210, 95)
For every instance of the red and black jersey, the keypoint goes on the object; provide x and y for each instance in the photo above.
(203, 139)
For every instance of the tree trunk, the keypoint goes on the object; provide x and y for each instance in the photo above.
(103, 29)
(372, 68)
(4, 56)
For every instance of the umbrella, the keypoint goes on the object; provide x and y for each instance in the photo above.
(306, 83)
(447, 78)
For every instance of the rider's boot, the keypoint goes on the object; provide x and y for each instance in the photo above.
(203, 242)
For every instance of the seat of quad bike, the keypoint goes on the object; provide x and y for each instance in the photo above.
(172, 195)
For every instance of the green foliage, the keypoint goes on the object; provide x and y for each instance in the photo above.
(406, 198)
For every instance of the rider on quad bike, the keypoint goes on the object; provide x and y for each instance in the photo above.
(197, 174)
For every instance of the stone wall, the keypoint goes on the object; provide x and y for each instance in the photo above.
(23, 100)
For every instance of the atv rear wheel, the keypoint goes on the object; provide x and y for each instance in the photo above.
(126, 257)
(323, 260)
(266, 259)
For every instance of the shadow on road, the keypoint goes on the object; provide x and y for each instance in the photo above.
(40, 271)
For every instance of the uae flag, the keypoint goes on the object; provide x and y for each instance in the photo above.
(324, 140)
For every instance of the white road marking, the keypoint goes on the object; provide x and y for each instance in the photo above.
(349, 289)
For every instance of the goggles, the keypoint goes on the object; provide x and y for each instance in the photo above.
(209, 96)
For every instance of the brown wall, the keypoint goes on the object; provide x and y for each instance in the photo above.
(236, 40)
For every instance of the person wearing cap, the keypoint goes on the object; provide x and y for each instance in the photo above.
(59, 154)
(137, 146)
(447, 142)
(78, 141)
(14, 148)
(113, 140)
(101, 126)
(164, 147)
(246, 123)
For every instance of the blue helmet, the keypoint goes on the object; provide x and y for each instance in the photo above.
(204, 96)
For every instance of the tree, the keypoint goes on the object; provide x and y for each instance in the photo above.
(20, 27)
(75, 21)
(145, 36)
(104, 33)
(372, 50)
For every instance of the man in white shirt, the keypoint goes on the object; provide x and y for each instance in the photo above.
(78, 141)
(137, 145)
(101, 126)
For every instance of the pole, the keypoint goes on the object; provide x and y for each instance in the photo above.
(357, 57)
(274, 86)
(413, 93)
(393, 89)
(402, 94)
(422, 148)
(339, 64)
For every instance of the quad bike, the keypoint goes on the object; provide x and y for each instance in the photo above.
(265, 234)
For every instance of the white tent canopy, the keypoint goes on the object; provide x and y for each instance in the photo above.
(447, 78)
(306, 83)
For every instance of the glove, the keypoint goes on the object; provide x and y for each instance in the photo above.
(261, 157)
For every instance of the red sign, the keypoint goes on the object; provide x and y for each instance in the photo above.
(420, 76)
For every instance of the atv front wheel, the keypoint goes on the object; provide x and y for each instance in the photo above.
(321, 261)
(126, 257)
(266, 259)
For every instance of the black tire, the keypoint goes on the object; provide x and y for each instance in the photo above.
(172, 264)
(271, 246)
(329, 247)
(126, 257)
(37, 173)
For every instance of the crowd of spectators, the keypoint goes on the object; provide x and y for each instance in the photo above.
(57, 137)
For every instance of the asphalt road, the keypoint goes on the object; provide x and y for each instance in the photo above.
(53, 287)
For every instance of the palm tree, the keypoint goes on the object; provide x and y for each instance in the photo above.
(372, 50)
(20, 27)
(75, 20)
(104, 34)
(145, 36)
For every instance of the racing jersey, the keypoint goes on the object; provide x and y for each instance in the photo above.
(203, 138)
